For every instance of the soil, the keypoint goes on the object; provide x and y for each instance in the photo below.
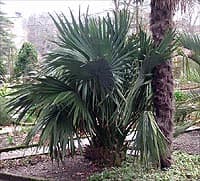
(79, 168)
(74, 169)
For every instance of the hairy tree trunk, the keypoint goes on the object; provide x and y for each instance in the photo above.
(161, 21)
(111, 153)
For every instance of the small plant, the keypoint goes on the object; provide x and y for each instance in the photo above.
(180, 96)
(84, 86)
(10, 140)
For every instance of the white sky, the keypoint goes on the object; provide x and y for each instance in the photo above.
(28, 7)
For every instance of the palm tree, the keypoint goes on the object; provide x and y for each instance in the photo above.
(98, 81)
(160, 22)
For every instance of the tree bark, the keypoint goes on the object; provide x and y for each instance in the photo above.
(162, 84)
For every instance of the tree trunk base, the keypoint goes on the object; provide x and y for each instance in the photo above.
(105, 156)
(165, 163)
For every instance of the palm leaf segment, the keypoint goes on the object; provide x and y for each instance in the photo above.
(191, 42)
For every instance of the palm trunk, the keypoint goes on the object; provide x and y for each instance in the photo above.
(162, 84)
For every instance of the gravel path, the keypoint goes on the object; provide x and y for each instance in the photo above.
(188, 142)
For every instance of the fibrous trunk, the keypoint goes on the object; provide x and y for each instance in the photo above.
(161, 21)
(107, 149)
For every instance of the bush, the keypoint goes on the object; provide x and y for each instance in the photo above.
(26, 60)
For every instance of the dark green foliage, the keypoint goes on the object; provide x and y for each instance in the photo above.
(6, 43)
(26, 60)
(84, 88)
(5, 118)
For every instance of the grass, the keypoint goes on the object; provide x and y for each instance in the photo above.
(185, 167)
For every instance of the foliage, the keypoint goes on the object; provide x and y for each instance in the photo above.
(5, 34)
(4, 116)
(187, 104)
(2, 71)
(26, 60)
(10, 140)
(185, 167)
(84, 87)
(180, 96)
(191, 42)
(187, 107)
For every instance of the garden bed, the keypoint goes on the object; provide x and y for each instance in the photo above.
(79, 168)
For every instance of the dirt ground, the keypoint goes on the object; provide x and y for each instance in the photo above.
(74, 169)
(78, 168)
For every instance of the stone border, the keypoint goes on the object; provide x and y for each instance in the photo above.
(13, 177)
(12, 148)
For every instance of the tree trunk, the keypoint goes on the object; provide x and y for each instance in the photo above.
(162, 84)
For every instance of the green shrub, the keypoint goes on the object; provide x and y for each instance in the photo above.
(26, 60)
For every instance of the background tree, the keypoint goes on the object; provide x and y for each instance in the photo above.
(189, 21)
(40, 30)
(6, 44)
(26, 60)
(139, 11)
